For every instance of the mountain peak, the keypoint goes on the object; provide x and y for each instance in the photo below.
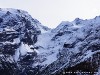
(29, 48)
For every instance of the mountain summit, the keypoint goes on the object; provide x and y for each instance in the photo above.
(29, 48)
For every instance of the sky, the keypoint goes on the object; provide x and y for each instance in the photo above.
(51, 12)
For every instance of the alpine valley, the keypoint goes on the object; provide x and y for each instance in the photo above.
(29, 48)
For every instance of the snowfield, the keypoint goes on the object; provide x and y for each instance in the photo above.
(29, 48)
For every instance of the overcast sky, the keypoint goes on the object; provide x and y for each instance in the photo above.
(51, 12)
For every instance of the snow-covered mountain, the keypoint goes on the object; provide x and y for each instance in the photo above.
(18, 34)
(29, 48)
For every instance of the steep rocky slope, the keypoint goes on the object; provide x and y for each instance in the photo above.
(18, 34)
(29, 48)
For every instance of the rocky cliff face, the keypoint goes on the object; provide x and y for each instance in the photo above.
(18, 34)
(75, 47)
(28, 48)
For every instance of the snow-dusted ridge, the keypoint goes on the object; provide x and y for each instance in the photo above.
(68, 40)
(31, 48)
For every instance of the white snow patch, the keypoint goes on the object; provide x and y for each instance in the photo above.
(17, 54)
(22, 50)
(43, 40)
(42, 30)
(17, 40)
(50, 59)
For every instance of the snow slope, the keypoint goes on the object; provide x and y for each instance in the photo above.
(27, 47)
(71, 43)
